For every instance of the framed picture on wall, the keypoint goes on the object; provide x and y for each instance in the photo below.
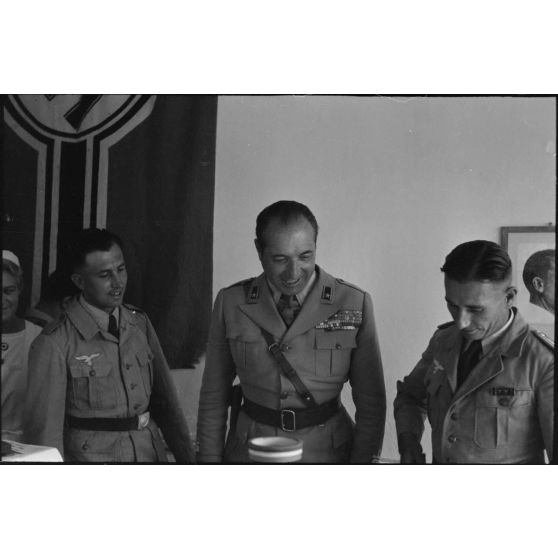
(521, 243)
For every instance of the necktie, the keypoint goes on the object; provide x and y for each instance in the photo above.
(289, 308)
(468, 360)
(112, 327)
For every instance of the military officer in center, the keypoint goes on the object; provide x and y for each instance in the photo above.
(486, 379)
(293, 336)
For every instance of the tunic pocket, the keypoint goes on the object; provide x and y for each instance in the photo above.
(93, 386)
(145, 363)
(502, 418)
(333, 352)
(498, 413)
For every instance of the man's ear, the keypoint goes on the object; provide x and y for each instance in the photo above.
(538, 284)
(258, 248)
(77, 280)
(511, 293)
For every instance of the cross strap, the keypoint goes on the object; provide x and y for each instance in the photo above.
(288, 371)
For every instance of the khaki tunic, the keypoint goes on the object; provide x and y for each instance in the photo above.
(323, 359)
(118, 379)
(503, 411)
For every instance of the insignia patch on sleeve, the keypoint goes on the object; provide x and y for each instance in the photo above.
(343, 319)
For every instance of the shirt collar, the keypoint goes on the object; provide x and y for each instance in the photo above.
(489, 341)
(301, 296)
(100, 316)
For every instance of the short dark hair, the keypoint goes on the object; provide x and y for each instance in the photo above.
(537, 265)
(285, 212)
(478, 260)
(57, 286)
(87, 241)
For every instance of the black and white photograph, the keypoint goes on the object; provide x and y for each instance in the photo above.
(298, 301)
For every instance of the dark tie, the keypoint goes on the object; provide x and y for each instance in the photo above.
(468, 360)
(289, 308)
(113, 328)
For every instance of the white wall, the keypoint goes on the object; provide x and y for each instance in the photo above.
(394, 183)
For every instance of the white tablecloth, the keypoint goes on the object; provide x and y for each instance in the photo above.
(29, 453)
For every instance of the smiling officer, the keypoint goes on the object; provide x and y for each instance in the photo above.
(486, 379)
(99, 384)
(293, 336)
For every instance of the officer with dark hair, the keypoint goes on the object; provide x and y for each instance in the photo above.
(486, 379)
(293, 336)
(99, 384)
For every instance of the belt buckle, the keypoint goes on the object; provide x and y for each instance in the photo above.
(286, 412)
(143, 420)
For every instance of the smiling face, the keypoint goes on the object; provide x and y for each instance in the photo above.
(288, 255)
(102, 279)
(479, 308)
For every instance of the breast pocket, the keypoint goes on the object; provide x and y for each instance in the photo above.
(93, 386)
(145, 364)
(247, 348)
(333, 351)
(501, 419)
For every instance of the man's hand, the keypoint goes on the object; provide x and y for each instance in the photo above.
(410, 450)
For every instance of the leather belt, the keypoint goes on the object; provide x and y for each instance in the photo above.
(290, 420)
(138, 422)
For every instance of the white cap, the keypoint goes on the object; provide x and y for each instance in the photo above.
(11, 257)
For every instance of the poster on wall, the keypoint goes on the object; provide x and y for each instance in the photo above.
(536, 247)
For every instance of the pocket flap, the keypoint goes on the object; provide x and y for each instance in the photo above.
(144, 357)
(335, 340)
(97, 370)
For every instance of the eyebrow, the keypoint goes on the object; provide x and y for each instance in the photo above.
(470, 306)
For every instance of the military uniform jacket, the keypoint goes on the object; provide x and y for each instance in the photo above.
(78, 369)
(503, 411)
(332, 340)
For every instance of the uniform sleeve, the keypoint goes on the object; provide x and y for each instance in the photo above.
(45, 398)
(165, 404)
(545, 409)
(410, 402)
(366, 377)
(216, 389)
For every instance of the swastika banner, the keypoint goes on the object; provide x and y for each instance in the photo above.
(142, 166)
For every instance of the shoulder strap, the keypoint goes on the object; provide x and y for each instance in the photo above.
(288, 370)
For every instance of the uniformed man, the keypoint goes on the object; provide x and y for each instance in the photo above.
(486, 380)
(293, 336)
(538, 276)
(99, 385)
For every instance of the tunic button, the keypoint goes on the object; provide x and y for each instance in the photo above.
(284, 395)
(285, 347)
(92, 372)
(133, 386)
(452, 439)
(128, 366)
(453, 416)
(338, 346)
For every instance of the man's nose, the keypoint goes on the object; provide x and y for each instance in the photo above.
(463, 320)
(292, 270)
